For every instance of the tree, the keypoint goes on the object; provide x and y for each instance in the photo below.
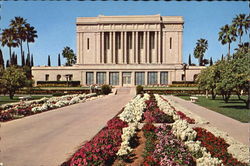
(241, 22)
(59, 60)
(28, 60)
(200, 49)
(31, 34)
(189, 60)
(208, 79)
(13, 78)
(211, 61)
(1, 60)
(222, 57)
(69, 55)
(8, 37)
(32, 61)
(7, 63)
(49, 63)
(23, 59)
(18, 23)
(227, 35)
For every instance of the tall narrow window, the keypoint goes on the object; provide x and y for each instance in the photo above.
(89, 78)
(152, 40)
(46, 77)
(164, 78)
(141, 40)
(170, 43)
(118, 39)
(88, 43)
(129, 41)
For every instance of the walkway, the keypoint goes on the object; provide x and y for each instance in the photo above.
(49, 138)
(236, 129)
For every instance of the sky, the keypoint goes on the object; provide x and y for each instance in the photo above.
(56, 28)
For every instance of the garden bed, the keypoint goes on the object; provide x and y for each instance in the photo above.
(138, 136)
(26, 108)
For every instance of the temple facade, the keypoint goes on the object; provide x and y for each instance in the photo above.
(125, 51)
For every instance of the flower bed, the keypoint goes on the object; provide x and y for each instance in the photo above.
(217, 147)
(175, 144)
(102, 149)
(22, 109)
(153, 114)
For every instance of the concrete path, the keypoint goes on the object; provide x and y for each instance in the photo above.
(49, 138)
(236, 129)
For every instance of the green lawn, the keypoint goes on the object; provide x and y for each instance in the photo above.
(6, 99)
(235, 108)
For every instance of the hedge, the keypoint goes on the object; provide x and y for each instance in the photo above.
(58, 83)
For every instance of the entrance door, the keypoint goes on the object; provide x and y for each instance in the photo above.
(126, 79)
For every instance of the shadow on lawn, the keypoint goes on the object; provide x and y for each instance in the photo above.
(234, 107)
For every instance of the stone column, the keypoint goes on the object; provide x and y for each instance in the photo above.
(144, 55)
(146, 77)
(125, 48)
(159, 47)
(102, 52)
(122, 48)
(114, 49)
(132, 59)
(98, 47)
(94, 77)
(136, 47)
(154, 58)
(132, 78)
(78, 48)
(110, 48)
(158, 77)
(107, 77)
(164, 48)
(120, 78)
(148, 47)
(81, 48)
(83, 75)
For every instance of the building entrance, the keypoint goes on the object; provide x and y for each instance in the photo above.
(126, 79)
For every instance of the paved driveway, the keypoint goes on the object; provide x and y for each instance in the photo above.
(49, 138)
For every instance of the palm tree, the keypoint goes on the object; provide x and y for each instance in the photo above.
(8, 37)
(18, 23)
(30, 35)
(200, 49)
(241, 22)
(227, 35)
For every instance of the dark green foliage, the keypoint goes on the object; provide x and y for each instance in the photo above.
(23, 59)
(211, 61)
(32, 61)
(1, 59)
(59, 60)
(200, 49)
(189, 60)
(28, 60)
(49, 63)
(68, 53)
(7, 63)
(58, 83)
(139, 89)
(105, 89)
(58, 94)
(13, 78)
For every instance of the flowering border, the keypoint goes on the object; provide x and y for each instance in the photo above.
(27, 108)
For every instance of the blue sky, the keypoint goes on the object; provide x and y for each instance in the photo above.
(55, 22)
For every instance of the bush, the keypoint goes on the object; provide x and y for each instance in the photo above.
(105, 89)
(58, 94)
(139, 89)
